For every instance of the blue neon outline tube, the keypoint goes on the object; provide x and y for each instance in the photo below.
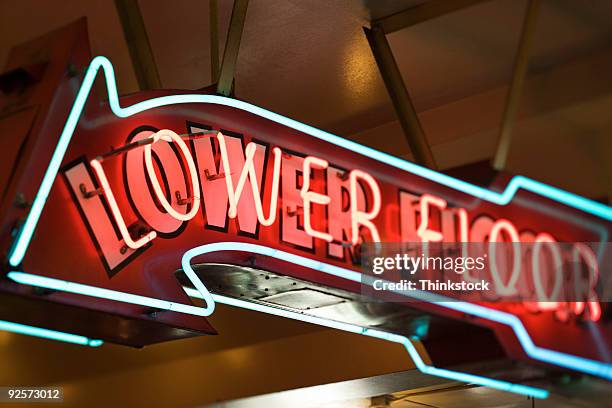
(61, 285)
(49, 334)
(538, 353)
(412, 351)
(109, 294)
(553, 357)
(27, 230)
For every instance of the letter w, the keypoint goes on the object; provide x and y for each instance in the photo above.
(248, 170)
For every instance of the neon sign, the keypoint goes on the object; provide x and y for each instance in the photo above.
(165, 193)
(237, 168)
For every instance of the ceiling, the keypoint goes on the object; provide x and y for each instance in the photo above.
(311, 61)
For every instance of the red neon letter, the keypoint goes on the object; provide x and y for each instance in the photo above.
(423, 231)
(363, 217)
(249, 171)
(312, 197)
(139, 188)
(169, 136)
(584, 252)
(112, 203)
(292, 222)
(551, 303)
(339, 213)
(408, 212)
(114, 251)
(496, 231)
(462, 215)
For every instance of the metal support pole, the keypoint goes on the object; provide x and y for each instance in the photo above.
(421, 13)
(516, 85)
(232, 46)
(213, 12)
(400, 97)
(138, 43)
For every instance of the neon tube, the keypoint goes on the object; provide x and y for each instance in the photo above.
(248, 170)
(584, 252)
(553, 357)
(423, 230)
(518, 182)
(312, 197)
(170, 136)
(49, 334)
(538, 353)
(549, 241)
(494, 237)
(112, 203)
(412, 351)
(363, 218)
(102, 293)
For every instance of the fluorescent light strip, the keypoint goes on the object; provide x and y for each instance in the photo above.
(518, 182)
(412, 351)
(49, 334)
(538, 353)
(102, 293)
